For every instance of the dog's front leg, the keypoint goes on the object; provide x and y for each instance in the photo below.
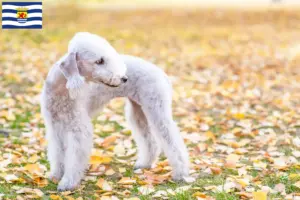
(78, 148)
(55, 151)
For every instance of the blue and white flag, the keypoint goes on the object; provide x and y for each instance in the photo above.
(22, 15)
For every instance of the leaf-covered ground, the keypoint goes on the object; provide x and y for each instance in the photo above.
(236, 80)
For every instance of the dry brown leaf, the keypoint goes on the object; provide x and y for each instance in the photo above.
(108, 141)
(216, 170)
(199, 194)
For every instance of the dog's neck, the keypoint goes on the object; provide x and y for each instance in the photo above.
(56, 81)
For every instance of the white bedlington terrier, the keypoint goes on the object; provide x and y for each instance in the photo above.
(81, 83)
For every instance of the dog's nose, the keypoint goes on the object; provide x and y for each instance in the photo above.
(124, 79)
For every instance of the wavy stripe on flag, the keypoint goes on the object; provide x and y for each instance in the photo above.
(15, 15)
(11, 7)
(28, 11)
(22, 3)
(23, 24)
(16, 19)
(22, 27)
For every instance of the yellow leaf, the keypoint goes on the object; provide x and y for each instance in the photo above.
(210, 135)
(55, 197)
(239, 116)
(126, 132)
(294, 176)
(33, 168)
(96, 159)
(199, 194)
(259, 195)
(8, 115)
(33, 158)
(243, 182)
(41, 182)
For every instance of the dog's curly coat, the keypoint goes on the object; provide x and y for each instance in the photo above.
(81, 83)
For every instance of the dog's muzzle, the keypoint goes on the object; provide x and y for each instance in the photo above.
(111, 83)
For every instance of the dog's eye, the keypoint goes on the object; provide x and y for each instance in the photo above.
(100, 61)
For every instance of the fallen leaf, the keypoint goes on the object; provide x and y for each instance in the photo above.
(216, 170)
(297, 184)
(104, 185)
(259, 195)
(199, 194)
(280, 188)
(146, 190)
(109, 172)
(96, 159)
(36, 192)
(33, 158)
(55, 197)
(10, 178)
(126, 180)
(34, 168)
(231, 160)
(109, 140)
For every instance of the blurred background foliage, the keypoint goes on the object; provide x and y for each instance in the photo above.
(235, 70)
(259, 40)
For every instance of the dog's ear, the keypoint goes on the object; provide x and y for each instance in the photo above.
(70, 70)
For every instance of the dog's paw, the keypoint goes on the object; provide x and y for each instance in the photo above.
(181, 176)
(55, 176)
(67, 185)
(177, 178)
(185, 179)
(140, 165)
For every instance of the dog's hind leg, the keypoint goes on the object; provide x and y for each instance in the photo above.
(148, 148)
(79, 142)
(159, 116)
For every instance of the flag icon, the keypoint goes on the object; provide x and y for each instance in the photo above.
(22, 15)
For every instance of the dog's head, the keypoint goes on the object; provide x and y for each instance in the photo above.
(94, 59)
